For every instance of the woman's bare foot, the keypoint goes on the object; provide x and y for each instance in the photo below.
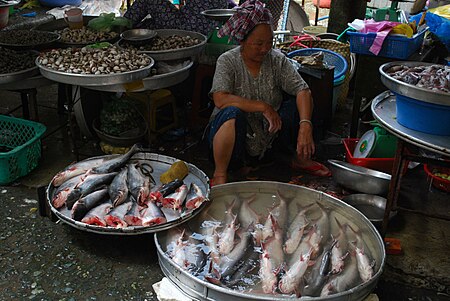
(218, 179)
(311, 167)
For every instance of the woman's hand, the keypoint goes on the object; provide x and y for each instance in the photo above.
(273, 118)
(305, 142)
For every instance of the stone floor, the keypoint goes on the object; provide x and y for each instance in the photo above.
(46, 260)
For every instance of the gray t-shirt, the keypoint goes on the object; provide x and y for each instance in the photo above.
(277, 74)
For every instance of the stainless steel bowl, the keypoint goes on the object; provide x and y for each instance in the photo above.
(138, 35)
(372, 206)
(265, 197)
(221, 15)
(360, 178)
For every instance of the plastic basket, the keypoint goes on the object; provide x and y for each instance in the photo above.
(397, 47)
(380, 164)
(330, 57)
(437, 181)
(20, 147)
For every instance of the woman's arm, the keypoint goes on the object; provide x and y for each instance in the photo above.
(305, 142)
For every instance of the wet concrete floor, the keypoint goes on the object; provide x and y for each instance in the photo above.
(46, 260)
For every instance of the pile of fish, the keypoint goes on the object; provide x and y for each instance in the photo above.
(315, 254)
(432, 77)
(118, 191)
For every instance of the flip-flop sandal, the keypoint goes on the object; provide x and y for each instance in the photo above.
(314, 170)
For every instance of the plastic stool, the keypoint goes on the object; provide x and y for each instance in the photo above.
(161, 114)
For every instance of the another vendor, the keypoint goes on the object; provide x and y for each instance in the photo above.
(163, 14)
(251, 117)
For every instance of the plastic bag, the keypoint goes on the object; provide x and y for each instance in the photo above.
(106, 22)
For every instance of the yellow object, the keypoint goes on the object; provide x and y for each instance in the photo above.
(110, 150)
(442, 11)
(403, 29)
(31, 4)
(178, 170)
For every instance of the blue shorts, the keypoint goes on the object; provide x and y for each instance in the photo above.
(286, 142)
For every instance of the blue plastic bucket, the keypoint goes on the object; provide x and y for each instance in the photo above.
(423, 116)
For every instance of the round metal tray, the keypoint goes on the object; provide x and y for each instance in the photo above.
(18, 76)
(60, 24)
(221, 15)
(51, 42)
(153, 82)
(412, 91)
(160, 164)
(7, 3)
(199, 289)
(175, 54)
(90, 80)
(372, 206)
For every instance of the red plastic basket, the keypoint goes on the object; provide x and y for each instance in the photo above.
(380, 164)
(437, 181)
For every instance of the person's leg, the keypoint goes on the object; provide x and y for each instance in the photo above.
(227, 141)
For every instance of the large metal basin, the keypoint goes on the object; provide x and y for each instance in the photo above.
(360, 178)
(221, 195)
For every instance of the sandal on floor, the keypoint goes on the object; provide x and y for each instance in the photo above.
(317, 169)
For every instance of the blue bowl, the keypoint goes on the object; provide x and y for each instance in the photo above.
(58, 3)
(423, 116)
(330, 57)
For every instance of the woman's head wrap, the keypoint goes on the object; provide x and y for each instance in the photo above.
(247, 16)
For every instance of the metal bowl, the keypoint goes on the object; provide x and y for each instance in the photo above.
(264, 194)
(221, 15)
(372, 206)
(402, 88)
(138, 35)
(131, 137)
(53, 39)
(360, 178)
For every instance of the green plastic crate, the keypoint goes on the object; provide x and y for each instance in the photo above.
(20, 147)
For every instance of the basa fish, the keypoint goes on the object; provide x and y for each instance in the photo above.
(339, 251)
(194, 197)
(118, 189)
(116, 217)
(279, 213)
(133, 216)
(226, 241)
(89, 183)
(116, 163)
(268, 273)
(228, 263)
(311, 241)
(343, 281)
(291, 279)
(86, 203)
(157, 195)
(96, 216)
(60, 195)
(247, 216)
(152, 215)
(296, 229)
(79, 168)
(138, 184)
(365, 268)
(176, 199)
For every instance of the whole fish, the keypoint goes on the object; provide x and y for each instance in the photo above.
(138, 184)
(179, 253)
(116, 217)
(176, 199)
(279, 213)
(194, 197)
(365, 268)
(60, 195)
(247, 215)
(226, 240)
(86, 203)
(268, 273)
(211, 240)
(118, 189)
(250, 263)
(116, 163)
(96, 216)
(195, 257)
(323, 223)
(339, 251)
(296, 229)
(152, 215)
(79, 168)
(229, 212)
(343, 281)
(228, 263)
(133, 216)
(291, 279)
(274, 245)
(89, 183)
(319, 273)
(311, 241)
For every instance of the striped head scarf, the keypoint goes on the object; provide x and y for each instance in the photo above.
(247, 16)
